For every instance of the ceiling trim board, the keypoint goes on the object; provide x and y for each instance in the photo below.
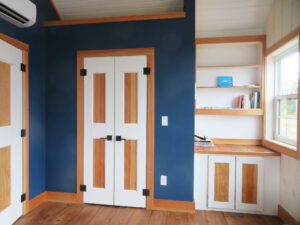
(55, 9)
(159, 16)
(233, 39)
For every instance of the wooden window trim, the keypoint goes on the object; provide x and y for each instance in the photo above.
(280, 147)
(283, 41)
(158, 16)
(272, 144)
(25, 117)
(149, 52)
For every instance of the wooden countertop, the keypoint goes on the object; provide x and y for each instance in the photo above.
(236, 150)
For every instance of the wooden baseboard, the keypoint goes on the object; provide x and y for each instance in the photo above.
(62, 197)
(173, 206)
(158, 204)
(50, 196)
(36, 201)
(286, 217)
(221, 141)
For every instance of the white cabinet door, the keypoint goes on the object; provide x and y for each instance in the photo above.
(98, 124)
(130, 130)
(10, 130)
(221, 182)
(249, 183)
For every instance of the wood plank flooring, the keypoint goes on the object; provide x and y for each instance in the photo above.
(51, 213)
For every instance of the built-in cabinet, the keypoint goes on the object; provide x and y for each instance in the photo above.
(221, 182)
(249, 183)
(237, 183)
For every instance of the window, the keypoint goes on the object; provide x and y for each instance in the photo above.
(286, 96)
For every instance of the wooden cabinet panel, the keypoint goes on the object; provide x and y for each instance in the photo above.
(221, 182)
(249, 183)
(221, 187)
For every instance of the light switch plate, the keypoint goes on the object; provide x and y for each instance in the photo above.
(163, 180)
(164, 120)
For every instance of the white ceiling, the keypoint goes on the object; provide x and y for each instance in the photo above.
(83, 9)
(231, 17)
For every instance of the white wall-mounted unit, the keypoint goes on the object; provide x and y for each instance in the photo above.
(21, 13)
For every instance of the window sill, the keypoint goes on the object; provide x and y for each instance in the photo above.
(283, 148)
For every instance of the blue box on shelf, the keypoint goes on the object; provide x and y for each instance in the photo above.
(225, 81)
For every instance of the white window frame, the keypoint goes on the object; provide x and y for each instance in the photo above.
(278, 96)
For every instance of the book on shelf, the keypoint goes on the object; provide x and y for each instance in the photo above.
(202, 141)
(249, 101)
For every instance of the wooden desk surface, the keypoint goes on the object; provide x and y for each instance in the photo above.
(236, 150)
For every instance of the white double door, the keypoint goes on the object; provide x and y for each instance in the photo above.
(10, 130)
(115, 103)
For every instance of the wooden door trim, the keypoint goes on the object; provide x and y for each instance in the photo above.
(25, 117)
(149, 52)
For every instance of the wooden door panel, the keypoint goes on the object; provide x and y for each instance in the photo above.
(5, 84)
(130, 87)
(99, 98)
(130, 160)
(5, 178)
(99, 163)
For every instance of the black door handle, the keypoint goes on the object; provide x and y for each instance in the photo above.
(108, 137)
(119, 138)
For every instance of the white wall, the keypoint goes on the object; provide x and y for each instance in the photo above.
(284, 18)
(290, 186)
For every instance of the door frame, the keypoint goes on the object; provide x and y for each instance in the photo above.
(149, 52)
(25, 117)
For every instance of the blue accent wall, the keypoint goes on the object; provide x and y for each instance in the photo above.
(52, 95)
(174, 43)
(35, 37)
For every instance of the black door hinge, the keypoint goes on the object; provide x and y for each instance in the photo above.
(147, 70)
(23, 67)
(82, 187)
(23, 197)
(83, 72)
(23, 133)
(146, 192)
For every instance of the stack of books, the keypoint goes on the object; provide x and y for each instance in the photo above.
(203, 142)
(251, 101)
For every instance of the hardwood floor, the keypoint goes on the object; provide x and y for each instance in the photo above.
(51, 213)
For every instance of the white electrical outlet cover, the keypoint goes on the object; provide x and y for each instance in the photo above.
(164, 120)
(163, 180)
